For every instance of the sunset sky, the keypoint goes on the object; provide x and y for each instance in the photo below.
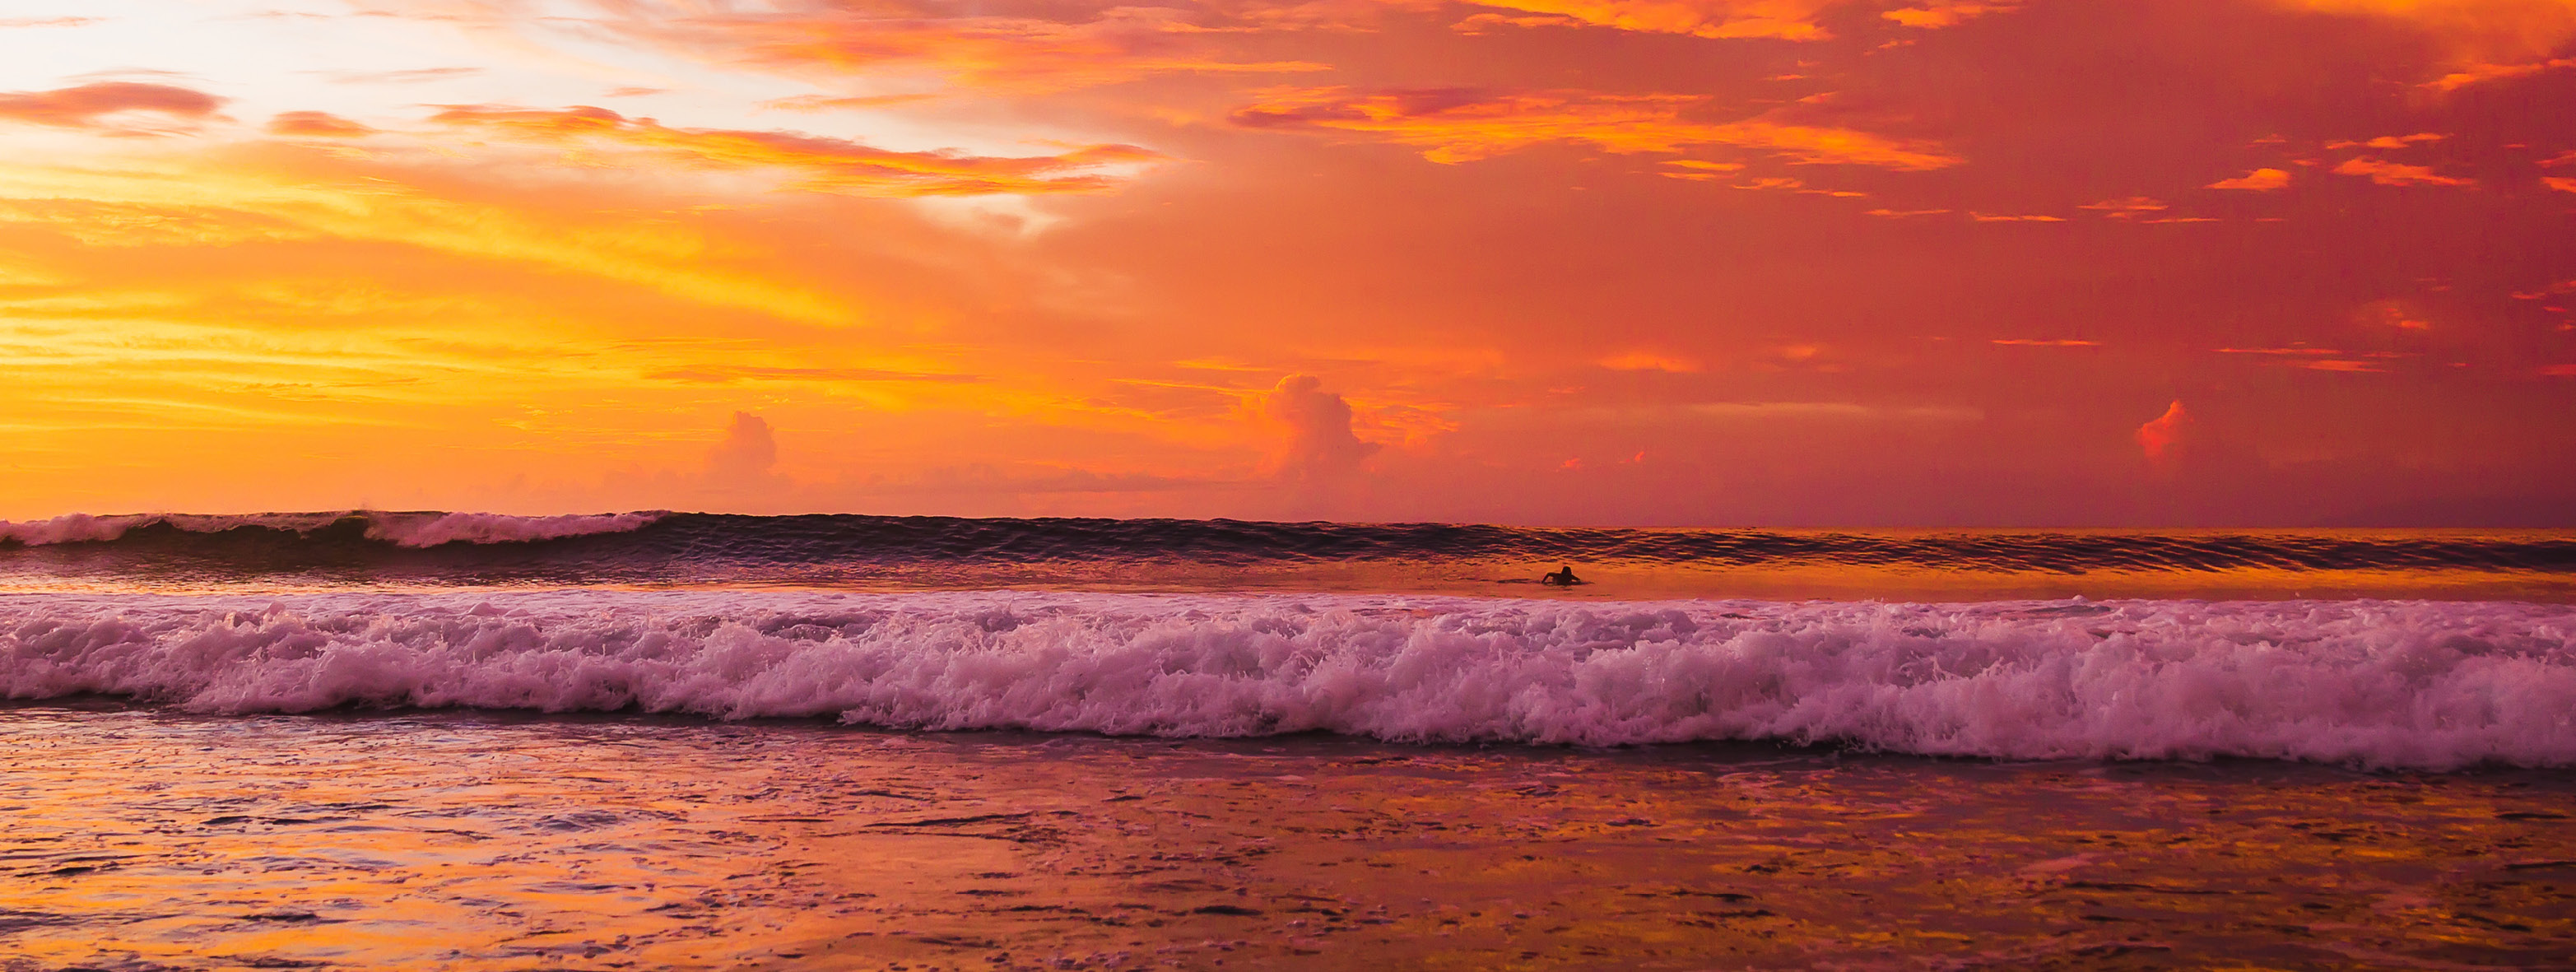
(1654, 262)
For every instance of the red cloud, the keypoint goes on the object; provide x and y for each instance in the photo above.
(86, 105)
(2162, 437)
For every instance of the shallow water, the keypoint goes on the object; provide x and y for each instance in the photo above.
(143, 839)
(1333, 746)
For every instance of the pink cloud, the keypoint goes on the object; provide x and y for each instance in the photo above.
(86, 106)
(1321, 444)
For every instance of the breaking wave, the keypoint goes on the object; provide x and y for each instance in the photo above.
(2426, 685)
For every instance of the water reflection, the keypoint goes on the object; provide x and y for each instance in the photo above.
(473, 842)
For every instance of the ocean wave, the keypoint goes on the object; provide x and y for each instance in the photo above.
(661, 547)
(2424, 685)
(406, 530)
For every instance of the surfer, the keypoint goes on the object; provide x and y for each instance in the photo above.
(1563, 577)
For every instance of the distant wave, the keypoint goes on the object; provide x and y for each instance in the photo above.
(654, 546)
(2380, 684)
(407, 530)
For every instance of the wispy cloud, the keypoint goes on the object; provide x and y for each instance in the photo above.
(2397, 174)
(97, 106)
(1454, 125)
(813, 163)
(2259, 180)
(1026, 52)
(406, 76)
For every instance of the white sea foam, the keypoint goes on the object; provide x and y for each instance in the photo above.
(399, 529)
(2387, 684)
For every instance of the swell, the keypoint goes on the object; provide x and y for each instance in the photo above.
(654, 545)
(2428, 685)
(215, 534)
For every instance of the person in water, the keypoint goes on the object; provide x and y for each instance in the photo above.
(1563, 577)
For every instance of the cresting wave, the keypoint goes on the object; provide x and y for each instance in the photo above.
(2383, 684)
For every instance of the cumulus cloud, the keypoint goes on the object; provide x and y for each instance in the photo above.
(2165, 437)
(92, 105)
(746, 457)
(1320, 444)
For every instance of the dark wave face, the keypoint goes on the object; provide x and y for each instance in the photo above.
(875, 552)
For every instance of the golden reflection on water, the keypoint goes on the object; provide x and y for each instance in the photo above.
(139, 839)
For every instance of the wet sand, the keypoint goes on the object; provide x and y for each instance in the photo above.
(143, 839)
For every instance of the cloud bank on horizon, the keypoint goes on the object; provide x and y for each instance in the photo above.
(1791, 262)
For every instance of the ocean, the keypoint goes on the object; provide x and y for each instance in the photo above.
(670, 740)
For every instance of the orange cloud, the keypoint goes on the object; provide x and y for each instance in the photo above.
(1649, 361)
(2476, 73)
(2559, 183)
(820, 164)
(831, 103)
(2390, 141)
(1453, 125)
(1945, 13)
(316, 124)
(1779, 19)
(2259, 180)
(2394, 174)
(1018, 53)
(2127, 208)
(2162, 437)
(731, 374)
(2039, 343)
(2008, 218)
(86, 106)
(2344, 365)
(2485, 39)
